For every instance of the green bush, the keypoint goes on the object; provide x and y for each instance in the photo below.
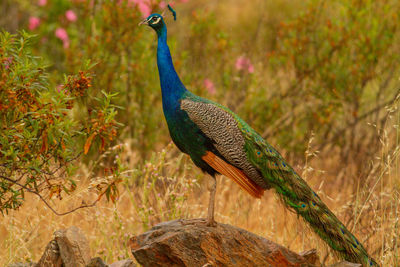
(326, 70)
(335, 68)
(40, 140)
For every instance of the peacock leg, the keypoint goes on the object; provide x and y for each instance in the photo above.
(210, 217)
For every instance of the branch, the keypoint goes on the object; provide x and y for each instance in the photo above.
(48, 205)
(362, 117)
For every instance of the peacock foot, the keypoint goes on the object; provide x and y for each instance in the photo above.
(211, 223)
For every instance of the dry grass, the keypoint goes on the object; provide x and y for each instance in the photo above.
(174, 189)
(168, 186)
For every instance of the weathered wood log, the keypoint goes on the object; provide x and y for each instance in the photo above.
(192, 243)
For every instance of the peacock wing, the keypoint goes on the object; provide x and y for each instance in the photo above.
(242, 147)
(220, 125)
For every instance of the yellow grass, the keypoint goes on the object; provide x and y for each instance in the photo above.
(174, 188)
(372, 214)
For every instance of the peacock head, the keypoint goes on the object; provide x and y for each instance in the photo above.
(155, 21)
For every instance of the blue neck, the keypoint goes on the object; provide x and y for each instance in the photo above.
(171, 86)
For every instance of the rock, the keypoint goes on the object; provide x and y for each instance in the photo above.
(192, 243)
(51, 256)
(311, 256)
(123, 263)
(345, 264)
(74, 247)
(23, 264)
(96, 262)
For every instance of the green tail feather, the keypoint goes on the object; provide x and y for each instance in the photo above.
(297, 195)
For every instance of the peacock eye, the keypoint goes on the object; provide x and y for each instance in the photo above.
(155, 20)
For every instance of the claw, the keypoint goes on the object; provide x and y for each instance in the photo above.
(211, 223)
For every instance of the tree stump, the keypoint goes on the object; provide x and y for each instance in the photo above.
(192, 243)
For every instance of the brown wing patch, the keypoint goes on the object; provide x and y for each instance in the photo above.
(234, 173)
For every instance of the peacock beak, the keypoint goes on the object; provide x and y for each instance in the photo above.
(144, 22)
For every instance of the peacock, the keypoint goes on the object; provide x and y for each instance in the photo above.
(219, 142)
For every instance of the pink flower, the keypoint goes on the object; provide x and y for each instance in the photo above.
(163, 4)
(59, 87)
(240, 62)
(243, 63)
(184, 1)
(209, 85)
(143, 6)
(70, 15)
(42, 2)
(34, 22)
(8, 62)
(144, 9)
(62, 34)
(250, 68)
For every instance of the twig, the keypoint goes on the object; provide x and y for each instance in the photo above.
(360, 118)
(48, 205)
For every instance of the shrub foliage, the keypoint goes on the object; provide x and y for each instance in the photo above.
(40, 140)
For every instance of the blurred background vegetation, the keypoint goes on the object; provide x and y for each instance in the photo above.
(318, 79)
